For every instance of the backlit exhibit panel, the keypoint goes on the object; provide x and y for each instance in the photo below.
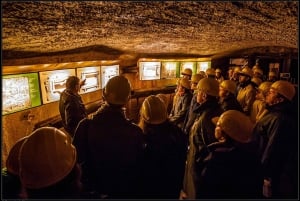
(168, 69)
(53, 83)
(20, 92)
(203, 66)
(149, 70)
(188, 64)
(108, 72)
(91, 75)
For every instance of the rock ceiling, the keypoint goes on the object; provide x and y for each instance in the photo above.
(134, 28)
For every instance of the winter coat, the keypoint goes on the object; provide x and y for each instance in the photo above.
(110, 149)
(164, 164)
(72, 110)
(230, 172)
(180, 108)
(230, 103)
(202, 134)
(277, 137)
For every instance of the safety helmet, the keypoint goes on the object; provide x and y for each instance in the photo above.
(236, 125)
(209, 86)
(196, 78)
(153, 110)
(185, 83)
(187, 71)
(12, 162)
(258, 71)
(237, 69)
(272, 74)
(256, 81)
(228, 85)
(46, 157)
(164, 98)
(210, 72)
(246, 71)
(284, 88)
(218, 70)
(265, 87)
(117, 90)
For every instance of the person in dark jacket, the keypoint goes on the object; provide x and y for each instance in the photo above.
(71, 107)
(165, 152)
(191, 115)
(11, 184)
(227, 99)
(231, 170)
(247, 92)
(182, 103)
(110, 147)
(202, 134)
(277, 137)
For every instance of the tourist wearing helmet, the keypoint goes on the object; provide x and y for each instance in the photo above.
(187, 73)
(182, 104)
(165, 152)
(201, 134)
(258, 108)
(272, 77)
(48, 167)
(227, 99)
(277, 137)
(210, 73)
(246, 93)
(219, 76)
(109, 146)
(231, 170)
(191, 114)
(71, 107)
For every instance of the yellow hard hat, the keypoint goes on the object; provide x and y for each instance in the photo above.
(185, 83)
(12, 162)
(265, 87)
(284, 88)
(236, 125)
(46, 157)
(258, 71)
(196, 78)
(229, 85)
(209, 86)
(164, 98)
(256, 80)
(117, 90)
(187, 71)
(153, 110)
(210, 72)
(218, 70)
(246, 71)
(237, 69)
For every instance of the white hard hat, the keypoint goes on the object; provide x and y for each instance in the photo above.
(153, 110)
(117, 90)
(46, 157)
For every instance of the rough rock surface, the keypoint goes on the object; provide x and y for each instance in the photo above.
(132, 29)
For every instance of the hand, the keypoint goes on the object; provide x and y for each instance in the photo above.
(183, 195)
(82, 83)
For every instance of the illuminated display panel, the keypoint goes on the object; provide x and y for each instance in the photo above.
(108, 72)
(169, 69)
(187, 64)
(91, 75)
(203, 66)
(20, 92)
(53, 83)
(149, 70)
